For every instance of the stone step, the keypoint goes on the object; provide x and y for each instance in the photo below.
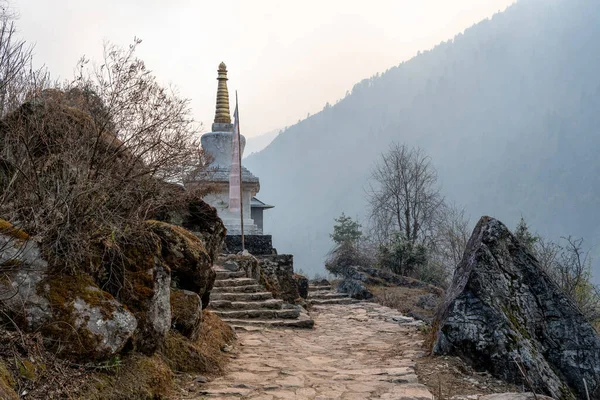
(225, 274)
(273, 304)
(241, 296)
(327, 295)
(303, 322)
(318, 302)
(235, 282)
(238, 289)
(258, 314)
(319, 288)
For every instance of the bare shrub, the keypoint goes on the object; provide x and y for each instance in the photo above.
(568, 264)
(85, 166)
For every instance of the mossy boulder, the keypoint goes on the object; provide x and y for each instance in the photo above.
(202, 220)
(142, 283)
(87, 323)
(188, 259)
(7, 384)
(186, 312)
(23, 268)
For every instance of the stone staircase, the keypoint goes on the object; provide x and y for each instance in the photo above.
(324, 294)
(243, 302)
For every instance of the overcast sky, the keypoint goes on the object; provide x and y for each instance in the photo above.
(285, 58)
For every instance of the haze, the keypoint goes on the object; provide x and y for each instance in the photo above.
(285, 59)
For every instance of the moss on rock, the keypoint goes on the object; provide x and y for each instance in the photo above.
(137, 378)
(202, 355)
(6, 228)
(7, 384)
(87, 323)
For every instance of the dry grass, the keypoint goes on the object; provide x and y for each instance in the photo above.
(404, 299)
(450, 376)
(203, 356)
(25, 365)
(6, 228)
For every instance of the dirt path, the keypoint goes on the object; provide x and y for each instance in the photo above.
(359, 351)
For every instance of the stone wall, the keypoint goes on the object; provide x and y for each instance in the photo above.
(277, 274)
(255, 244)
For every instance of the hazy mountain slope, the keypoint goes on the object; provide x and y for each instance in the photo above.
(254, 144)
(509, 112)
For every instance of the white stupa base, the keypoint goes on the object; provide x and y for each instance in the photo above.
(234, 226)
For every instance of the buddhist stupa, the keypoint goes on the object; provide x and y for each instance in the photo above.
(218, 144)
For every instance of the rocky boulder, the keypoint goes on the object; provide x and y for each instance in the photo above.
(186, 312)
(188, 259)
(76, 318)
(502, 309)
(202, 220)
(86, 322)
(141, 280)
(302, 285)
(355, 289)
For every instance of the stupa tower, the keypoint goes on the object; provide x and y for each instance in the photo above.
(218, 144)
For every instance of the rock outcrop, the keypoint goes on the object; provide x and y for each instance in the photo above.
(202, 220)
(86, 322)
(76, 318)
(377, 276)
(188, 258)
(502, 309)
(355, 289)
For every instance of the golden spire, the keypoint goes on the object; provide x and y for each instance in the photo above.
(222, 115)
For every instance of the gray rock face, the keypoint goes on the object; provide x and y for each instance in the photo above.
(355, 289)
(109, 335)
(74, 316)
(502, 307)
(18, 289)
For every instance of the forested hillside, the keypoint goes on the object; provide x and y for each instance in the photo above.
(509, 112)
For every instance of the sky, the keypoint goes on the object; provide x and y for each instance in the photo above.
(286, 58)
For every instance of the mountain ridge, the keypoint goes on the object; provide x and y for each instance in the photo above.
(506, 110)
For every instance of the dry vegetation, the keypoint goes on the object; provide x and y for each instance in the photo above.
(27, 367)
(450, 376)
(407, 300)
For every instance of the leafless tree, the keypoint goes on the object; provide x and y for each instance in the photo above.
(404, 196)
(453, 232)
(18, 78)
(569, 265)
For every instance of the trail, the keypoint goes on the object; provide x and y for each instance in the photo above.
(360, 351)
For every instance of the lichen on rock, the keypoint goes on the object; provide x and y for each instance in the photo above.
(86, 323)
(502, 309)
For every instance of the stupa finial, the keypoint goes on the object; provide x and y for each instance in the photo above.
(222, 115)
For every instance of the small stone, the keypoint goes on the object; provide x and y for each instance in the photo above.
(227, 348)
(201, 379)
